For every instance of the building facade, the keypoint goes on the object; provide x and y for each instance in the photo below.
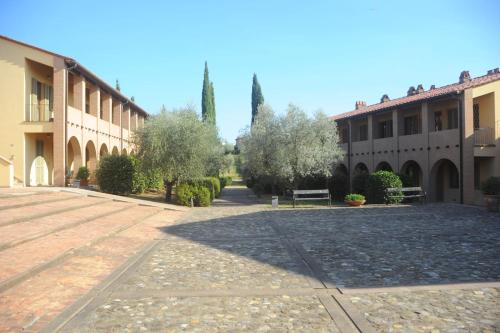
(445, 139)
(55, 116)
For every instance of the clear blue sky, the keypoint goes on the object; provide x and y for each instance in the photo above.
(316, 54)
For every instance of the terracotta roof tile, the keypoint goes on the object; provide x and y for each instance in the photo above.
(419, 97)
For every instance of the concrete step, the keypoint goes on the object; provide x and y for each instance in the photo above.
(22, 261)
(12, 216)
(15, 234)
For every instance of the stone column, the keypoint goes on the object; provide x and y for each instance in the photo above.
(467, 168)
(371, 158)
(59, 138)
(426, 168)
(395, 137)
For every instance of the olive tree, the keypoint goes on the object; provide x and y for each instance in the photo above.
(291, 146)
(180, 146)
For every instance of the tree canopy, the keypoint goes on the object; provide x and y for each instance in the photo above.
(290, 146)
(179, 145)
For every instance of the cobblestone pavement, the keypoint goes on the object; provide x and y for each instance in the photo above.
(242, 267)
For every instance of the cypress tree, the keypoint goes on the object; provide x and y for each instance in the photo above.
(212, 102)
(206, 98)
(257, 97)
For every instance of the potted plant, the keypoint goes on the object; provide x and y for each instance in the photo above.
(83, 176)
(354, 199)
(491, 192)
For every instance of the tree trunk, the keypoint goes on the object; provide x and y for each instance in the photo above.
(168, 191)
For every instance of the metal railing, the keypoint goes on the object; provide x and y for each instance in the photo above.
(41, 112)
(484, 136)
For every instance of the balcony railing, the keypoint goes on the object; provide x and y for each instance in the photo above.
(41, 112)
(484, 136)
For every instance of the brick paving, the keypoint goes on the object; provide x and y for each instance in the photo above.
(36, 284)
(242, 267)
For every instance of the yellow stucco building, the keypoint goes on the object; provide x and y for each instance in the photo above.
(55, 116)
(445, 139)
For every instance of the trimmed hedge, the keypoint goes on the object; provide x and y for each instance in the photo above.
(491, 186)
(184, 192)
(115, 173)
(225, 181)
(212, 184)
(378, 183)
(153, 180)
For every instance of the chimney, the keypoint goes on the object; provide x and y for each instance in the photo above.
(432, 87)
(411, 91)
(490, 72)
(464, 77)
(420, 89)
(385, 98)
(360, 105)
(496, 70)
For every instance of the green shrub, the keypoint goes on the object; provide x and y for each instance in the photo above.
(202, 196)
(354, 197)
(339, 186)
(206, 182)
(216, 186)
(225, 181)
(83, 173)
(491, 186)
(138, 177)
(184, 193)
(115, 174)
(360, 183)
(378, 183)
(406, 180)
(153, 180)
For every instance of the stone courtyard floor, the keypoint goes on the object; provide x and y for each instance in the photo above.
(243, 267)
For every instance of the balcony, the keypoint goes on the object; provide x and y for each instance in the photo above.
(41, 112)
(484, 137)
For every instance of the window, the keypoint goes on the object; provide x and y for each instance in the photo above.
(42, 101)
(438, 121)
(452, 118)
(475, 110)
(344, 134)
(411, 125)
(87, 100)
(363, 132)
(454, 183)
(385, 129)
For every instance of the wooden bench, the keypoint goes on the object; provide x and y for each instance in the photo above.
(303, 195)
(407, 193)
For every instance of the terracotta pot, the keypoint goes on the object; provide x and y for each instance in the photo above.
(492, 202)
(84, 182)
(356, 203)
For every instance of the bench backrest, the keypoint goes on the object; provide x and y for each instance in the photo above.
(404, 189)
(299, 192)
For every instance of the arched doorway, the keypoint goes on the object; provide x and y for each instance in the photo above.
(339, 185)
(383, 166)
(360, 168)
(411, 174)
(39, 172)
(103, 151)
(124, 151)
(91, 158)
(445, 181)
(74, 157)
(115, 151)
